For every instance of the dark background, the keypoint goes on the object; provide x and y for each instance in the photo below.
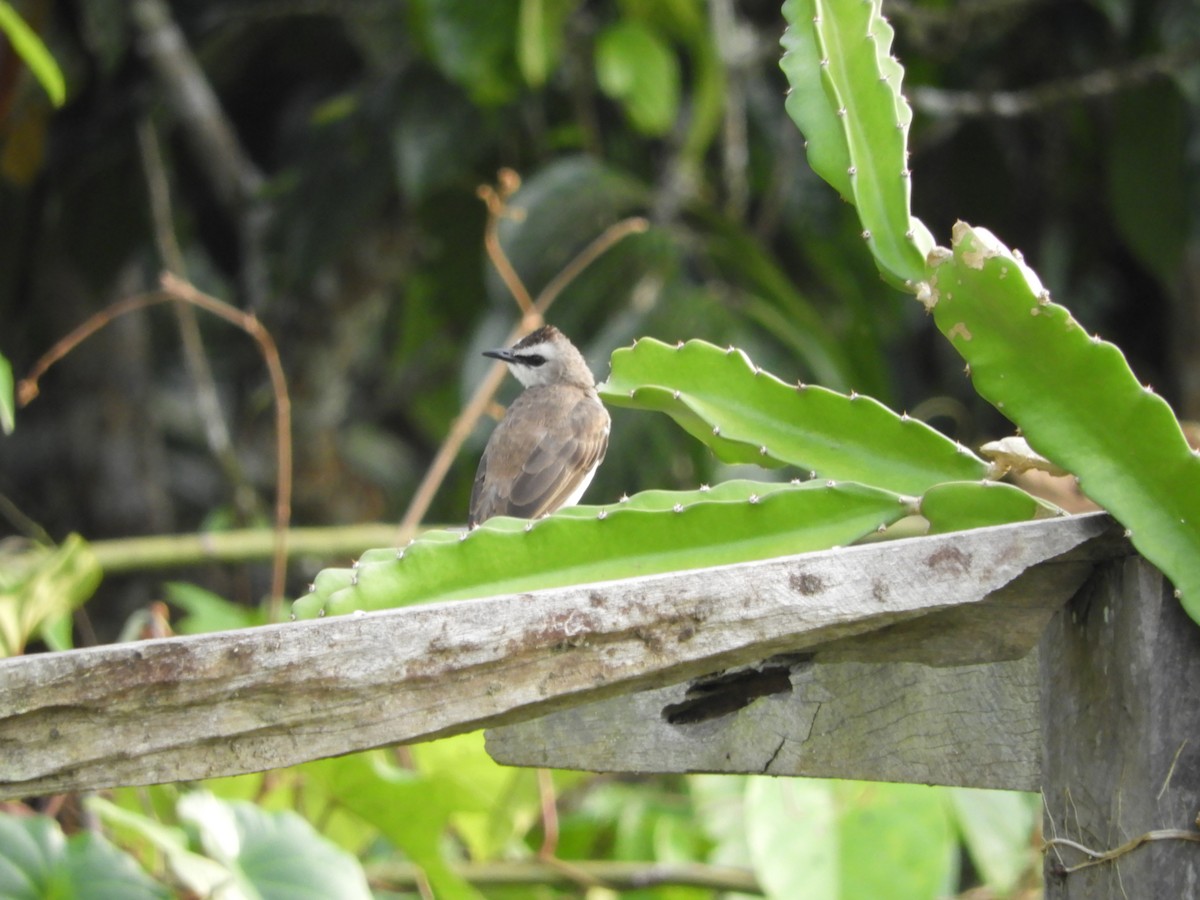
(344, 215)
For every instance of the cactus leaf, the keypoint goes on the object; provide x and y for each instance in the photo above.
(1074, 398)
(856, 126)
(653, 532)
(959, 505)
(749, 416)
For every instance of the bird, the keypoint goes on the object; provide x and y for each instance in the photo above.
(543, 454)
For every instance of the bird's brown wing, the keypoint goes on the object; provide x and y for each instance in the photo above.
(534, 461)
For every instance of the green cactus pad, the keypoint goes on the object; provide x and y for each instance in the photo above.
(1074, 398)
(653, 532)
(845, 98)
(749, 416)
(960, 505)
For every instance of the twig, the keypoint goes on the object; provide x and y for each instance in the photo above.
(236, 181)
(249, 323)
(1096, 857)
(215, 430)
(175, 289)
(618, 875)
(532, 317)
(234, 177)
(1011, 104)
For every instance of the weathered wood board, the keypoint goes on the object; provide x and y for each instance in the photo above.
(976, 726)
(221, 704)
(1121, 731)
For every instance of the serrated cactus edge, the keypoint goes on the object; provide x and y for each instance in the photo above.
(1074, 398)
(654, 532)
(747, 415)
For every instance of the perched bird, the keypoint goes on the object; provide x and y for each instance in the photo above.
(544, 452)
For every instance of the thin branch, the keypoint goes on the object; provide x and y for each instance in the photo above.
(173, 290)
(617, 875)
(166, 551)
(208, 403)
(249, 323)
(532, 317)
(218, 151)
(942, 103)
(236, 181)
(1096, 857)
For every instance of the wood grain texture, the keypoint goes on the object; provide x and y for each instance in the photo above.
(976, 726)
(227, 703)
(1121, 731)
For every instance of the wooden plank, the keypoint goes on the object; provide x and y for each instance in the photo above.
(969, 725)
(1121, 694)
(221, 704)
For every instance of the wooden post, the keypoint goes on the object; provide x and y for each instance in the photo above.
(1120, 686)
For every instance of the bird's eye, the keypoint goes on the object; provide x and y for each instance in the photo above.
(534, 360)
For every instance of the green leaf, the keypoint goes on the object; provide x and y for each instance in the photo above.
(199, 874)
(896, 841)
(653, 532)
(540, 37)
(30, 48)
(208, 612)
(998, 828)
(749, 416)
(640, 70)
(42, 588)
(410, 809)
(1074, 398)
(791, 827)
(38, 862)
(856, 125)
(959, 505)
(8, 419)
(472, 43)
(275, 856)
(1147, 175)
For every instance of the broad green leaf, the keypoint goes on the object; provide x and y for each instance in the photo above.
(749, 416)
(473, 43)
(29, 47)
(998, 828)
(273, 856)
(1074, 398)
(207, 612)
(410, 809)
(856, 125)
(194, 871)
(1147, 175)
(795, 845)
(896, 841)
(8, 420)
(38, 862)
(653, 532)
(636, 67)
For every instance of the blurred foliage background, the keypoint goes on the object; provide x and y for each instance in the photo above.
(331, 190)
(336, 200)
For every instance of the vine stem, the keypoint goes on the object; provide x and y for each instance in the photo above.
(175, 289)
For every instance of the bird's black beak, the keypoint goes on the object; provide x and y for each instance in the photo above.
(502, 355)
